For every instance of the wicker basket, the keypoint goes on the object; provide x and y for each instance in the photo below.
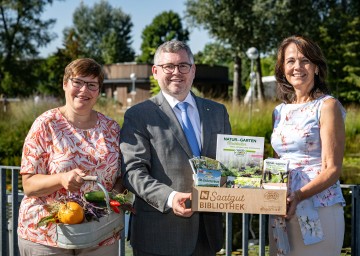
(90, 234)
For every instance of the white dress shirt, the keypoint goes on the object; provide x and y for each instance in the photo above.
(192, 112)
(194, 117)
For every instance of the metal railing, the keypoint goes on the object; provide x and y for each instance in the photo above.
(10, 207)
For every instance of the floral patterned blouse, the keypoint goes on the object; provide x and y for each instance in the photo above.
(53, 146)
(296, 137)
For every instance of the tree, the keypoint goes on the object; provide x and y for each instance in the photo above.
(254, 23)
(164, 27)
(290, 17)
(72, 44)
(340, 39)
(102, 33)
(232, 23)
(51, 72)
(219, 54)
(351, 49)
(22, 33)
(214, 54)
(334, 25)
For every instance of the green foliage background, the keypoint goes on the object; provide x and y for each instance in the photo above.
(164, 27)
(233, 25)
(245, 120)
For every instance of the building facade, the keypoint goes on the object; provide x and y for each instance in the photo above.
(129, 83)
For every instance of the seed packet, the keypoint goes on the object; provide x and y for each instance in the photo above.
(246, 182)
(207, 171)
(276, 173)
(208, 178)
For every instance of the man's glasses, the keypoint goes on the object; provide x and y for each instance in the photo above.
(78, 83)
(183, 68)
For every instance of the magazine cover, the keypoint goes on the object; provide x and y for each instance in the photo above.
(243, 157)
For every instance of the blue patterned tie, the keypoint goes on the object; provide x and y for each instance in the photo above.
(188, 129)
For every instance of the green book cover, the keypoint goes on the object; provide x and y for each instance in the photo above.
(243, 156)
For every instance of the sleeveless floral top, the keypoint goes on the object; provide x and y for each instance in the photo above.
(296, 137)
(53, 146)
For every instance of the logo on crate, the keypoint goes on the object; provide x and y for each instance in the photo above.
(216, 201)
(204, 195)
(271, 196)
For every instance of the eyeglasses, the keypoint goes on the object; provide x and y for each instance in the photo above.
(78, 83)
(183, 68)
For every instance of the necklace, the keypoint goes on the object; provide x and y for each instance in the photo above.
(88, 122)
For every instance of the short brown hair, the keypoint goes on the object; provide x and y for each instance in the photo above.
(173, 46)
(312, 51)
(84, 67)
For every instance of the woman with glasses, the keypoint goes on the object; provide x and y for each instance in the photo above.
(63, 145)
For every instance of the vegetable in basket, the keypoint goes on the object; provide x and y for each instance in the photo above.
(98, 197)
(71, 213)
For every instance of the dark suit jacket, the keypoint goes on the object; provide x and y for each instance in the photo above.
(155, 163)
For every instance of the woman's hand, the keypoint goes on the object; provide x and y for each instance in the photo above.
(292, 201)
(73, 180)
(45, 184)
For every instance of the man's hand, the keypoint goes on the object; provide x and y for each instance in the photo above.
(178, 204)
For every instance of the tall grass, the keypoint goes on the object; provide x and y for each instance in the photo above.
(245, 120)
(111, 109)
(255, 120)
(352, 126)
(14, 125)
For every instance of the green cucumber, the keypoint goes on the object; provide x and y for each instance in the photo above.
(95, 196)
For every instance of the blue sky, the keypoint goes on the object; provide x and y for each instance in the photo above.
(142, 13)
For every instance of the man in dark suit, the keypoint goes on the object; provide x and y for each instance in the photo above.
(156, 156)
